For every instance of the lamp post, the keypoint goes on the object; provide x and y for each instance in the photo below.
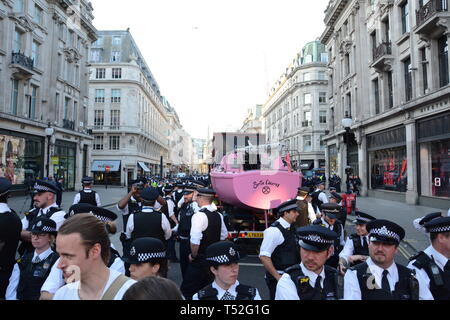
(347, 123)
(49, 133)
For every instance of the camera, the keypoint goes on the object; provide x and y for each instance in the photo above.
(139, 186)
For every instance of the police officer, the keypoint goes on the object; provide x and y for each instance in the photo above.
(279, 249)
(433, 265)
(356, 249)
(207, 228)
(87, 195)
(337, 199)
(306, 212)
(311, 279)
(169, 211)
(147, 258)
(55, 280)
(132, 202)
(331, 213)
(380, 277)
(223, 261)
(319, 197)
(186, 210)
(33, 268)
(10, 229)
(419, 223)
(45, 193)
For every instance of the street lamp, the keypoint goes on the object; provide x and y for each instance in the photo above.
(347, 123)
(49, 133)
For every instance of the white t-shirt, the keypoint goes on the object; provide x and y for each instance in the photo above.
(70, 291)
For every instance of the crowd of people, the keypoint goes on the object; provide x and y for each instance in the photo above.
(306, 252)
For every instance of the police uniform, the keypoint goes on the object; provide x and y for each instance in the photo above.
(419, 223)
(10, 229)
(298, 282)
(431, 266)
(332, 210)
(368, 281)
(306, 216)
(355, 244)
(280, 245)
(87, 195)
(52, 212)
(186, 211)
(207, 228)
(169, 212)
(225, 253)
(343, 214)
(318, 199)
(33, 268)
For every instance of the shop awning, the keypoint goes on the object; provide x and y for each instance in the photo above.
(100, 166)
(143, 166)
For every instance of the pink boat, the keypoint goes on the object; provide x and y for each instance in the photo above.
(262, 189)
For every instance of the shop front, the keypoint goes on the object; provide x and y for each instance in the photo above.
(388, 160)
(106, 172)
(433, 135)
(64, 163)
(143, 169)
(332, 160)
(21, 158)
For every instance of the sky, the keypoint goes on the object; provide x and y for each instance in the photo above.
(215, 59)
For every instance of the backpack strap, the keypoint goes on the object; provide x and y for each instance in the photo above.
(113, 290)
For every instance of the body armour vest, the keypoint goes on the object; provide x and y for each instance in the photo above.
(114, 254)
(186, 213)
(316, 202)
(358, 248)
(407, 288)
(148, 224)
(134, 207)
(33, 276)
(286, 254)
(212, 233)
(165, 209)
(304, 289)
(439, 280)
(243, 293)
(88, 197)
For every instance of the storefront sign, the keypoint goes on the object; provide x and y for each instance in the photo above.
(55, 160)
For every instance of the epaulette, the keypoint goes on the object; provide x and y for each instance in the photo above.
(246, 291)
(208, 293)
(292, 269)
(417, 255)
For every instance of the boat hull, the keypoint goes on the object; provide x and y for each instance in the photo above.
(263, 190)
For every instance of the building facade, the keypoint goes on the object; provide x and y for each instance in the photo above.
(127, 112)
(44, 48)
(296, 113)
(253, 123)
(389, 72)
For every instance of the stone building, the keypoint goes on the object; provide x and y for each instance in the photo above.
(44, 48)
(389, 74)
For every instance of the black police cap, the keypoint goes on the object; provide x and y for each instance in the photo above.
(144, 250)
(363, 218)
(87, 180)
(385, 231)
(149, 194)
(430, 217)
(44, 225)
(222, 253)
(46, 186)
(332, 210)
(316, 238)
(5, 186)
(206, 192)
(336, 196)
(100, 213)
(438, 225)
(303, 191)
(287, 206)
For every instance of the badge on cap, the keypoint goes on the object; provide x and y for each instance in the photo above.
(232, 252)
(133, 251)
(39, 224)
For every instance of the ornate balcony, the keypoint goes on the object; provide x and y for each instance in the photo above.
(382, 57)
(23, 66)
(67, 124)
(432, 19)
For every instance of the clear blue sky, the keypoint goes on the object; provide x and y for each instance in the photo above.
(215, 59)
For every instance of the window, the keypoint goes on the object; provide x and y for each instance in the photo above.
(322, 143)
(115, 119)
(99, 95)
(307, 144)
(116, 41)
(98, 43)
(38, 15)
(408, 79)
(443, 61)
(14, 96)
(114, 143)
(405, 17)
(18, 6)
(376, 95)
(115, 56)
(423, 55)
(77, 76)
(324, 57)
(322, 97)
(322, 75)
(307, 98)
(96, 55)
(307, 76)
(117, 73)
(66, 108)
(98, 143)
(35, 53)
(17, 45)
(347, 64)
(100, 73)
(57, 107)
(323, 116)
(32, 103)
(115, 95)
(75, 112)
(349, 103)
(373, 40)
(390, 90)
(99, 119)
